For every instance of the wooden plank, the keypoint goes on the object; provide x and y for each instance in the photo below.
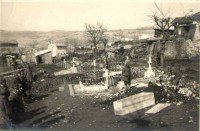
(135, 107)
(157, 108)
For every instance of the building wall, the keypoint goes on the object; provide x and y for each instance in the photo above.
(190, 31)
(61, 51)
(57, 51)
(182, 49)
(44, 58)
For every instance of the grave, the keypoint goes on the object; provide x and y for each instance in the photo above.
(81, 90)
(133, 103)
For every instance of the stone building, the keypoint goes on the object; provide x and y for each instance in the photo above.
(43, 56)
(187, 27)
(58, 49)
(8, 49)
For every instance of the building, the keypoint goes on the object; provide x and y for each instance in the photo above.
(43, 56)
(158, 32)
(58, 49)
(188, 26)
(8, 49)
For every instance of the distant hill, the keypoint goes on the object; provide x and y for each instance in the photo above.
(77, 38)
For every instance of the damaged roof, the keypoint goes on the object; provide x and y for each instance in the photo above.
(42, 52)
(8, 43)
(187, 19)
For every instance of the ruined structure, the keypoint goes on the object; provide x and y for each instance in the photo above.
(8, 48)
(188, 26)
(43, 57)
(58, 49)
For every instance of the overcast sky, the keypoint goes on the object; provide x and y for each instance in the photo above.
(49, 15)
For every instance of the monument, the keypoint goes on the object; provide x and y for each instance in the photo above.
(149, 73)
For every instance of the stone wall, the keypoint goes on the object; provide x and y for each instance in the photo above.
(181, 49)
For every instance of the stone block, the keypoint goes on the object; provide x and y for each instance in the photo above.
(133, 103)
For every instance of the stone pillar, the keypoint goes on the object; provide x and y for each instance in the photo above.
(197, 33)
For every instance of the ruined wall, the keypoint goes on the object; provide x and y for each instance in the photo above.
(47, 58)
(181, 49)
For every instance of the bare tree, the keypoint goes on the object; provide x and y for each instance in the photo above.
(120, 34)
(163, 22)
(95, 33)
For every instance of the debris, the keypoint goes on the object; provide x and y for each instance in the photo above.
(191, 121)
(133, 103)
(185, 91)
(61, 88)
(103, 108)
(42, 80)
(66, 121)
(138, 85)
(197, 98)
(69, 71)
(157, 108)
(179, 103)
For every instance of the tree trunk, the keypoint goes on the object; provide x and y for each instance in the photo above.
(162, 59)
(95, 48)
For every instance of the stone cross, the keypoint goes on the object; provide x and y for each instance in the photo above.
(149, 73)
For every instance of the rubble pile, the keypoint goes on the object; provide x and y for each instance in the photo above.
(174, 88)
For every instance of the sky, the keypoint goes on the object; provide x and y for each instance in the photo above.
(72, 15)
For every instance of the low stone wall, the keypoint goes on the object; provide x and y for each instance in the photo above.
(181, 49)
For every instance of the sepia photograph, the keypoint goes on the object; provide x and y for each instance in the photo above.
(99, 65)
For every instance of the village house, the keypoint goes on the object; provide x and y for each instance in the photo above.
(58, 49)
(187, 27)
(8, 49)
(43, 56)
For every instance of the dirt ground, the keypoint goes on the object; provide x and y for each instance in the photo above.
(51, 109)
(58, 110)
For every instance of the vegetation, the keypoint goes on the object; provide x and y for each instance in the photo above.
(96, 34)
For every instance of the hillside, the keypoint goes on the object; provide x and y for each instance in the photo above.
(76, 38)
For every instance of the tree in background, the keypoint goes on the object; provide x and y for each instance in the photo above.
(95, 33)
(120, 35)
(163, 22)
(29, 51)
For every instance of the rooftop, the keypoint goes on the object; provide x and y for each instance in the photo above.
(42, 52)
(187, 19)
(8, 42)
